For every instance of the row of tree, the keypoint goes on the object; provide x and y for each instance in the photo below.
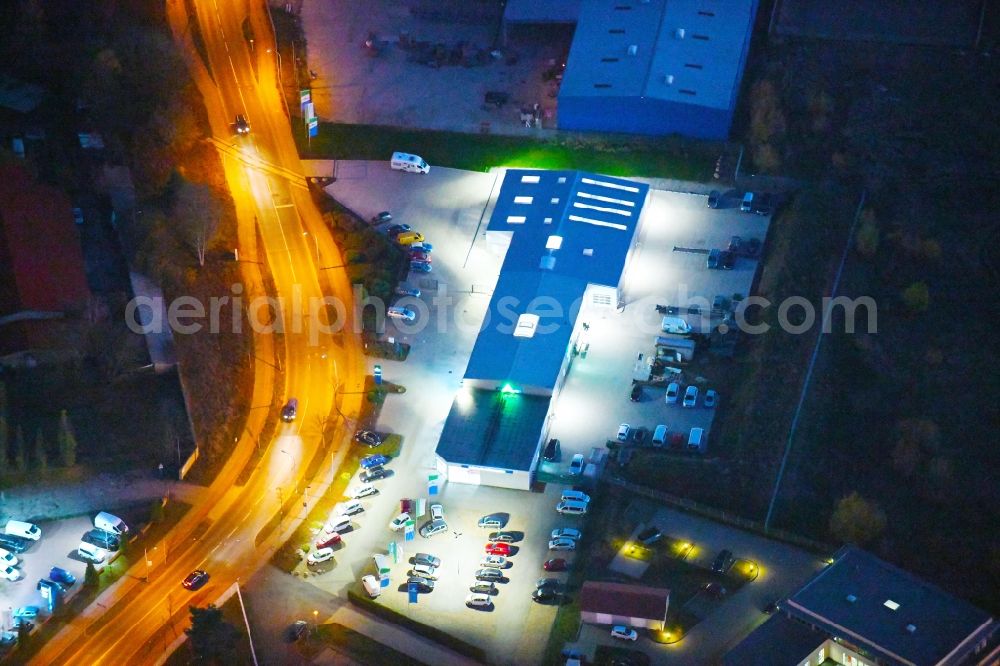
(65, 437)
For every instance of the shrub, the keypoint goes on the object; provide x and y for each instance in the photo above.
(917, 297)
(857, 520)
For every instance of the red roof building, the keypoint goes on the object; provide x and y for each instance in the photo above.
(41, 262)
(620, 603)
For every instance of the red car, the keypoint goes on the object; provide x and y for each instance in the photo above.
(558, 564)
(328, 540)
(419, 255)
(494, 548)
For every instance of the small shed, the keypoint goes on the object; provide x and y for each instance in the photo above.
(621, 603)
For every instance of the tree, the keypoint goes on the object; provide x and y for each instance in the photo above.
(767, 119)
(213, 640)
(156, 512)
(196, 215)
(41, 459)
(67, 440)
(917, 297)
(21, 457)
(857, 520)
(867, 238)
(90, 576)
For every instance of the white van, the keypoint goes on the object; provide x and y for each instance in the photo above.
(110, 523)
(660, 435)
(410, 163)
(572, 508)
(23, 530)
(696, 440)
(575, 496)
(91, 553)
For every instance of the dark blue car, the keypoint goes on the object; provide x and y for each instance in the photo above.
(60, 575)
(373, 461)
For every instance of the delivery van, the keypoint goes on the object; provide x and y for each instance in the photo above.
(696, 440)
(23, 530)
(410, 163)
(110, 523)
(659, 435)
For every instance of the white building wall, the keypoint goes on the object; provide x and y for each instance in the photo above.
(488, 476)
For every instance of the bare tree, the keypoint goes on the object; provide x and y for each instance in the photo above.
(196, 216)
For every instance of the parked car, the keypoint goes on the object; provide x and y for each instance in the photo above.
(102, 539)
(639, 436)
(503, 537)
(420, 267)
(544, 595)
(371, 585)
(349, 508)
(497, 548)
(624, 633)
(195, 579)
(407, 291)
(691, 396)
(428, 559)
(397, 229)
(550, 583)
(78, 215)
(483, 587)
(422, 584)
(420, 255)
(714, 256)
(552, 451)
(396, 312)
(373, 474)
(574, 495)
(762, 205)
(381, 218)
(337, 523)
(751, 248)
(364, 490)
(478, 600)
(494, 562)
(489, 574)
(565, 533)
(623, 432)
(60, 575)
(714, 197)
(727, 260)
(723, 561)
(746, 205)
(10, 573)
(29, 612)
(7, 558)
(424, 571)
(635, 395)
(289, 410)
(576, 464)
(13, 543)
(711, 398)
(433, 528)
(492, 521)
(562, 544)
(715, 590)
(319, 556)
(555, 564)
(437, 512)
(673, 390)
(571, 508)
(376, 460)
(399, 522)
(650, 535)
(328, 540)
(369, 438)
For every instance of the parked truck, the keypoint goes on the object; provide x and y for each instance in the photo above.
(684, 346)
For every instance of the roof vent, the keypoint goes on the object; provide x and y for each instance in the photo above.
(679, 33)
(890, 604)
(633, 49)
(911, 628)
(668, 79)
(526, 325)
(588, 251)
(851, 598)
(547, 263)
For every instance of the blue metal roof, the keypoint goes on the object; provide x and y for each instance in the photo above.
(685, 51)
(533, 11)
(493, 429)
(853, 598)
(592, 219)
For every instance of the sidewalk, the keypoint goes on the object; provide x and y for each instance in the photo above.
(37, 503)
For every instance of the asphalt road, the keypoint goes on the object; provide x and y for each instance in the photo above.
(134, 621)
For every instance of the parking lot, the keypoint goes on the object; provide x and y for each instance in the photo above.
(451, 208)
(385, 86)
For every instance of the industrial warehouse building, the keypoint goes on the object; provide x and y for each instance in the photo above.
(568, 238)
(648, 66)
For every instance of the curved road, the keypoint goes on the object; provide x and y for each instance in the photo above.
(134, 621)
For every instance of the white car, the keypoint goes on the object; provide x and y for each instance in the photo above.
(576, 464)
(575, 495)
(566, 533)
(691, 396)
(675, 325)
(399, 522)
(673, 390)
(363, 490)
(562, 544)
(397, 312)
(624, 633)
(494, 562)
(320, 555)
(349, 508)
(7, 558)
(337, 523)
(624, 430)
(371, 586)
(10, 573)
(437, 512)
(478, 600)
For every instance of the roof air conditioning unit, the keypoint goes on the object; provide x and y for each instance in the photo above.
(911, 628)
(679, 33)
(633, 49)
(668, 79)
(851, 598)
